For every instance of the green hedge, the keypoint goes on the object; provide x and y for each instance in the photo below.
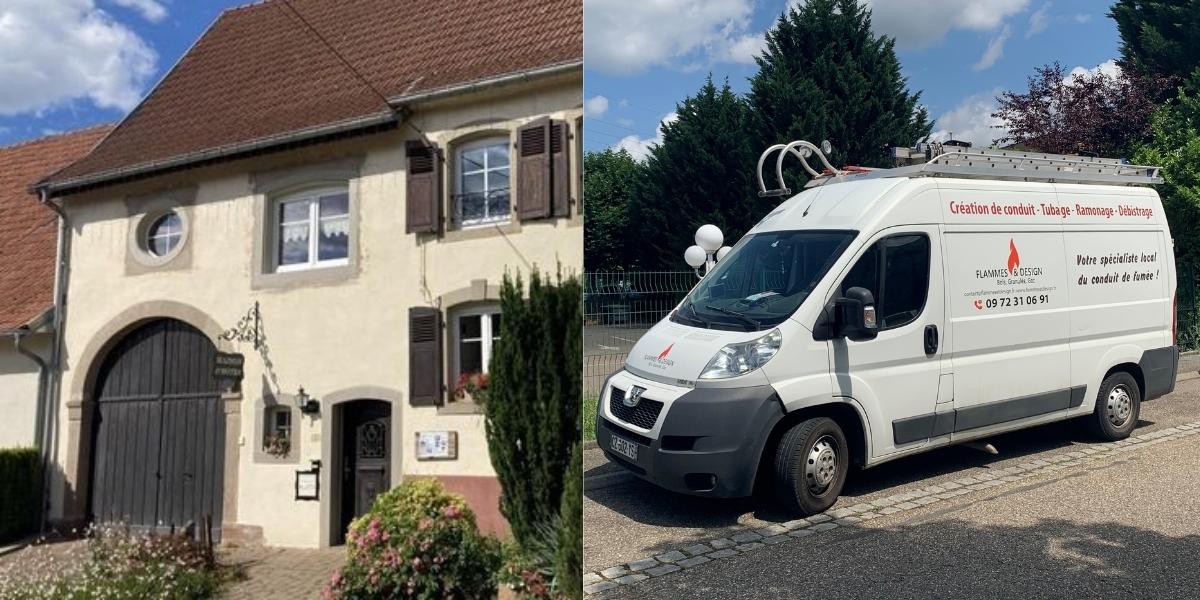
(20, 492)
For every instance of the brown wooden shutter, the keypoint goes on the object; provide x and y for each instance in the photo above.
(533, 170)
(424, 202)
(560, 169)
(424, 356)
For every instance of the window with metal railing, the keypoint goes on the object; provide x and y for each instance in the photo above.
(481, 189)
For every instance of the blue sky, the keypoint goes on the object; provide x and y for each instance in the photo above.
(643, 56)
(67, 64)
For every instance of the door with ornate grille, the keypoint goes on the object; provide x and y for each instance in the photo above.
(158, 443)
(365, 456)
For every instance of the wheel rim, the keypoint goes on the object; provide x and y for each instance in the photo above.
(1120, 406)
(820, 467)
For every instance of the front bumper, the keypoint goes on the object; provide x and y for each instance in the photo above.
(707, 441)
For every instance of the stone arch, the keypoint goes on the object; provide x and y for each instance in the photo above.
(80, 401)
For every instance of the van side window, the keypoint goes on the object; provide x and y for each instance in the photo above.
(896, 271)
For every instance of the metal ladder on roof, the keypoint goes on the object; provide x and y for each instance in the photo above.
(939, 160)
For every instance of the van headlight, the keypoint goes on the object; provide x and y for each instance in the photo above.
(739, 359)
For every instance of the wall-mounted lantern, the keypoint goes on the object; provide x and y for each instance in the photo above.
(307, 404)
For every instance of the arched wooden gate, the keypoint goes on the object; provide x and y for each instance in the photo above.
(158, 449)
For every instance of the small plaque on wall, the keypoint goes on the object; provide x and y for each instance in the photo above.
(308, 485)
(437, 445)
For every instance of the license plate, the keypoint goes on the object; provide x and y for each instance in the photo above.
(625, 448)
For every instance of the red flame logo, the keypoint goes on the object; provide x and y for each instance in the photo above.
(666, 352)
(1014, 259)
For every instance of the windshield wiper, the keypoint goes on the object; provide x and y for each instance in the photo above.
(696, 316)
(734, 313)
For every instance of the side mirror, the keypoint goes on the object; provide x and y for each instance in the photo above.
(855, 317)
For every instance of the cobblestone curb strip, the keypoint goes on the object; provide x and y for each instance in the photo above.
(750, 540)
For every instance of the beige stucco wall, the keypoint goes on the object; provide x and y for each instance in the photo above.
(19, 390)
(328, 337)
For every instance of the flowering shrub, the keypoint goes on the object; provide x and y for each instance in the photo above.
(116, 564)
(277, 445)
(417, 541)
(522, 576)
(472, 384)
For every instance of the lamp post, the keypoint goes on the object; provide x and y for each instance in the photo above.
(707, 251)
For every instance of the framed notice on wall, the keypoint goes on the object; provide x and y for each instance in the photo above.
(437, 445)
(308, 485)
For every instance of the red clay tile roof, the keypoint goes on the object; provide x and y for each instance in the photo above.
(259, 73)
(28, 230)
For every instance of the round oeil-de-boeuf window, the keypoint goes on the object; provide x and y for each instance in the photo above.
(164, 234)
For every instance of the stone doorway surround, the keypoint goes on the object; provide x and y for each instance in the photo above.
(80, 406)
(331, 426)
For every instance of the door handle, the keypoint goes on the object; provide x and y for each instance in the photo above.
(931, 340)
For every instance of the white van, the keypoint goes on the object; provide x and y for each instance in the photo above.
(884, 313)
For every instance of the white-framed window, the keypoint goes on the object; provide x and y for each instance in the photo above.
(164, 234)
(481, 186)
(313, 229)
(476, 331)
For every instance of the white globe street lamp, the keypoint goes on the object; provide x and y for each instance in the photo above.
(695, 256)
(710, 238)
(707, 251)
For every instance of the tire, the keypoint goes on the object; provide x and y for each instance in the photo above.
(1118, 404)
(804, 490)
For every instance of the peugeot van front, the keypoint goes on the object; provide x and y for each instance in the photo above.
(693, 408)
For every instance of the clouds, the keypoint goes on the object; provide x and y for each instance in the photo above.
(971, 120)
(53, 52)
(629, 36)
(1108, 67)
(640, 147)
(151, 10)
(924, 23)
(995, 49)
(595, 106)
(1039, 20)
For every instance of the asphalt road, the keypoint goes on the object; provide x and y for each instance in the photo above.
(1126, 529)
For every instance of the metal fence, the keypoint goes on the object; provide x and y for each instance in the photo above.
(618, 307)
(1187, 312)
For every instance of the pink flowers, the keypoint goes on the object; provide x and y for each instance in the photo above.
(451, 512)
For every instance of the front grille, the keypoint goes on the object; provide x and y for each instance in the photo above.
(644, 415)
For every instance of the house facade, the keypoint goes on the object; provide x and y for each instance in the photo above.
(284, 259)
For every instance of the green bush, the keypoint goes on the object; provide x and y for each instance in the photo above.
(568, 561)
(417, 541)
(20, 492)
(117, 564)
(533, 399)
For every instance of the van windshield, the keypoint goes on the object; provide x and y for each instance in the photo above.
(763, 280)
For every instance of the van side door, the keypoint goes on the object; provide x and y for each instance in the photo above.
(1009, 313)
(895, 376)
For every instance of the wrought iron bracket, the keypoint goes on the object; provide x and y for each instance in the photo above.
(247, 328)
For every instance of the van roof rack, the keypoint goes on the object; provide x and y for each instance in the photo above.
(940, 160)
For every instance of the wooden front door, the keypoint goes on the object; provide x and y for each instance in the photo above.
(366, 456)
(158, 444)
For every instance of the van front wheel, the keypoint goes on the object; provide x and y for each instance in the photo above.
(1118, 405)
(811, 462)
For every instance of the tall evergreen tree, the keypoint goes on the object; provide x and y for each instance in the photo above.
(609, 178)
(825, 76)
(1158, 39)
(533, 401)
(702, 172)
